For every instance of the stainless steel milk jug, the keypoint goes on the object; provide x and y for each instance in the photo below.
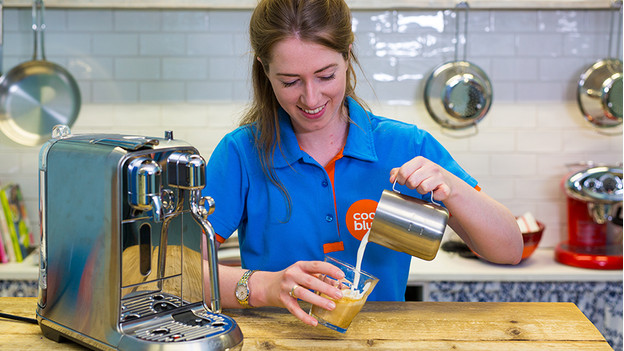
(407, 224)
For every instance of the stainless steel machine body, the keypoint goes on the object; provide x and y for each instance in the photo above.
(126, 249)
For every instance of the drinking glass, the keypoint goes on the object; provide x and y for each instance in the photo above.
(355, 286)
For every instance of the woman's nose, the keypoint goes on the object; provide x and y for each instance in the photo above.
(310, 95)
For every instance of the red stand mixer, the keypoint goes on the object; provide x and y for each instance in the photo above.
(594, 206)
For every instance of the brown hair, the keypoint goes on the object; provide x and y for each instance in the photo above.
(324, 22)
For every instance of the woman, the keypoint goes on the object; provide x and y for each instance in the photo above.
(301, 176)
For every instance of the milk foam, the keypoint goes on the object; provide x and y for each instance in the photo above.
(356, 294)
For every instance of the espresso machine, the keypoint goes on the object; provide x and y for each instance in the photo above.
(594, 207)
(128, 256)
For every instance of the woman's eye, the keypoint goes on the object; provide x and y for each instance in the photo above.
(323, 78)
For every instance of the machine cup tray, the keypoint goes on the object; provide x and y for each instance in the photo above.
(172, 323)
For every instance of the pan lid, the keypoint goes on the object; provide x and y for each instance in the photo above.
(601, 184)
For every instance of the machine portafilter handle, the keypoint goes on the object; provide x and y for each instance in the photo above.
(144, 186)
(190, 174)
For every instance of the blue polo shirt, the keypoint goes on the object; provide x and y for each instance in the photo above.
(332, 207)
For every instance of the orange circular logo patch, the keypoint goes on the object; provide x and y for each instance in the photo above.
(360, 217)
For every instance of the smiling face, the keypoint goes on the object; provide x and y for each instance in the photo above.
(309, 82)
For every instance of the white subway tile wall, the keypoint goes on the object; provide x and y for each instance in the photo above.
(146, 71)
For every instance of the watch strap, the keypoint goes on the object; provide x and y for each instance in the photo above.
(244, 281)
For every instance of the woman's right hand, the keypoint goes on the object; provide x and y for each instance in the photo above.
(302, 279)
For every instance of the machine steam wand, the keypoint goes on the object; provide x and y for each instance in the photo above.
(208, 247)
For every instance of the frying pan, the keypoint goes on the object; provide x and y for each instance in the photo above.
(36, 95)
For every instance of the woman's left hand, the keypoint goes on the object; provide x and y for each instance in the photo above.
(425, 176)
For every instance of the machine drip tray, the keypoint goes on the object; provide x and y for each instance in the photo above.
(141, 306)
(603, 257)
(187, 323)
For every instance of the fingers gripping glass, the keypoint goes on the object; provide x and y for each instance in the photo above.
(355, 286)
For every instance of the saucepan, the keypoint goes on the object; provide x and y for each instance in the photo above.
(458, 93)
(36, 95)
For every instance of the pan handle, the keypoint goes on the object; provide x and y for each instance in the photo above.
(38, 26)
(461, 5)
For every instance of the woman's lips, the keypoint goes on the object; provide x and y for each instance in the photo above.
(313, 112)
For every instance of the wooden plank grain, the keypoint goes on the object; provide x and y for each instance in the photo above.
(432, 321)
(22, 306)
(380, 325)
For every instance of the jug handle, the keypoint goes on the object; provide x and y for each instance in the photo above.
(398, 192)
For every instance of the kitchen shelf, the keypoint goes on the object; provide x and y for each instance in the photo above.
(540, 267)
(19, 271)
(354, 4)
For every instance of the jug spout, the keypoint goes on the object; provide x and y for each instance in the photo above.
(407, 224)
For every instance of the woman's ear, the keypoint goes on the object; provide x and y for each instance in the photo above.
(264, 68)
(349, 55)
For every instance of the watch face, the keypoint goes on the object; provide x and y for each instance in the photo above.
(241, 292)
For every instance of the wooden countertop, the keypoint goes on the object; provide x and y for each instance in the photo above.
(384, 325)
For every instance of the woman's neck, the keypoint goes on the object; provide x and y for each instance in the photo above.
(322, 145)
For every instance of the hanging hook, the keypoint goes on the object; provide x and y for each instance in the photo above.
(459, 136)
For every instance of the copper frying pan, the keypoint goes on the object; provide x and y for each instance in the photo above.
(37, 95)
